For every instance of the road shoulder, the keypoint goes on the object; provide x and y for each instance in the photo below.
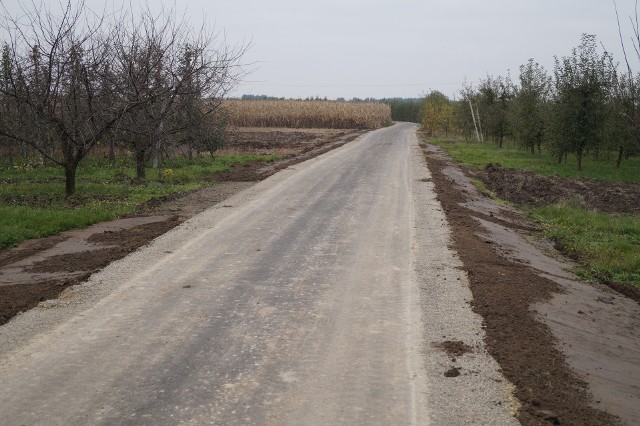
(534, 312)
(465, 384)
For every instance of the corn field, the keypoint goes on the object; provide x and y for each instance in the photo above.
(307, 114)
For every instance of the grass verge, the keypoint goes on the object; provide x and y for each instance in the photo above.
(479, 154)
(608, 246)
(33, 203)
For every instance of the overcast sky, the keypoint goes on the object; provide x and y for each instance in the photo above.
(398, 48)
(405, 48)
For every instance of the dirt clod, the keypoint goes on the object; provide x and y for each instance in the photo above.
(452, 372)
(454, 348)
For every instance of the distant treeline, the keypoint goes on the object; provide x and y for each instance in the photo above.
(405, 109)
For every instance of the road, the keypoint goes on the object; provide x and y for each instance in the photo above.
(299, 303)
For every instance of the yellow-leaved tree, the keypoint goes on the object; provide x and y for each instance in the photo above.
(437, 113)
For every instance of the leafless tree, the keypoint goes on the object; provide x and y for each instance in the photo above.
(177, 75)
(74, 77)
(56, 68)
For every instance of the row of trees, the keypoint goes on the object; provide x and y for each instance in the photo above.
(71, 79)
(586, 106)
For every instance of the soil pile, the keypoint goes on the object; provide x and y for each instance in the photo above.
(529, 188)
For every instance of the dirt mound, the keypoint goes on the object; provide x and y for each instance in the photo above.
(68, 269)
(259, 140)
(246, 172)
(528, 188)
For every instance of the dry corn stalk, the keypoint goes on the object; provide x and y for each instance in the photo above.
(308, 114)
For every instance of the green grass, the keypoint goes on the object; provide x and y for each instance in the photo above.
(479, 154)
(608, 244)
(33, 203)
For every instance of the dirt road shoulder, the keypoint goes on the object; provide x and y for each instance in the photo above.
(535, 313)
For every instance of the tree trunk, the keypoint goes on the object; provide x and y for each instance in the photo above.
(70, 179)
(620, 155)
(157, 155)
(579, 159)
(112, 152)
(11, 156)
(533, 149)
(140, 170)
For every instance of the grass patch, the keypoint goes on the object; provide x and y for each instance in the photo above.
(479, 154)
(488, 192)
(607, 245)
(33, 203)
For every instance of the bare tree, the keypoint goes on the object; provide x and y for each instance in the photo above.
(178, 76)
(75, 77)
(57, 64)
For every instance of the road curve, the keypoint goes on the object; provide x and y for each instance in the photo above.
(310, 300)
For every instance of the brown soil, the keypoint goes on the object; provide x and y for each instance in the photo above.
(26, 281)
(454, 348)
(528, 188)
(21, 297)
(39, 270)
(119, 244)
(504, 292)
(297, 149)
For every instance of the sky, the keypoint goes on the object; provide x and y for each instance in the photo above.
(398, 48)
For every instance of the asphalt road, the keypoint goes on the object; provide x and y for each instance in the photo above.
(300, 303)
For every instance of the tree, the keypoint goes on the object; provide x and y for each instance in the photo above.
(72, 79)
(528, 112)
(463, 117)
(7, 112)
(621, 128)
(625, 123)
(437, 113)
(178, 78)
(404, 109)
(582, 84)
(493, 98)
(56, 66)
